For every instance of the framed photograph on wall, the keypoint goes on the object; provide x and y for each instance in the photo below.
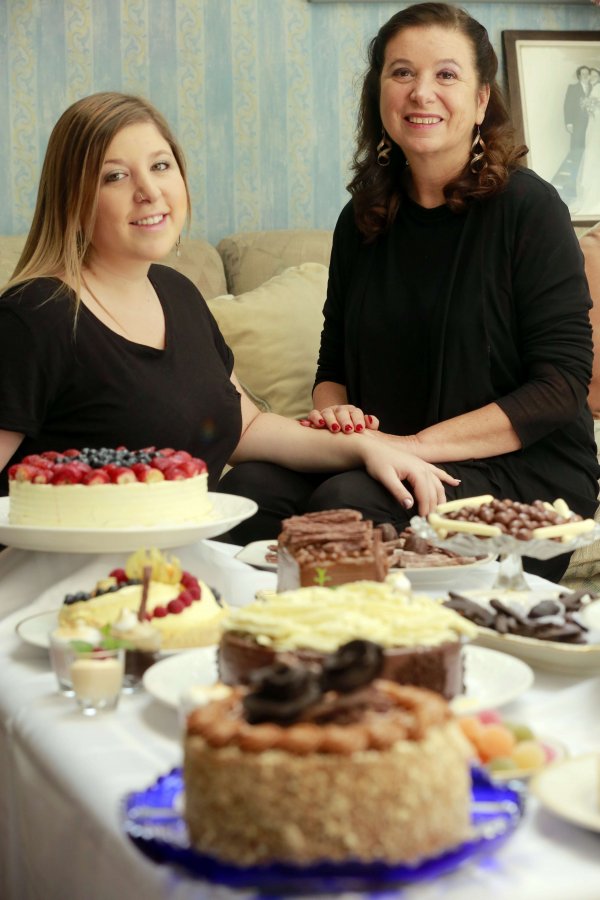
(554, 92)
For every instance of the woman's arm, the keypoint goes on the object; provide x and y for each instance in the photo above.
(272, 438)
(9, 442)
(590, 244)
(475, 435)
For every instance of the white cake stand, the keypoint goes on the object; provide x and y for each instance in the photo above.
(507, 548)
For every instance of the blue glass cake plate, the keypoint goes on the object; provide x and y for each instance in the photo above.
(153, 819)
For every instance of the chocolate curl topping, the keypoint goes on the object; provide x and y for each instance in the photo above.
(281, 693)
(146, 576)
(354, 665)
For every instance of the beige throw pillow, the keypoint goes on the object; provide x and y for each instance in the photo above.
(274, 332)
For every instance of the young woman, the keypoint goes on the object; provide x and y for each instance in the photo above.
(100, 347)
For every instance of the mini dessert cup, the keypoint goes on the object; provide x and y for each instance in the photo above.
(97, 677)
(136, 663)
(142, 640)
(61, 657)
(62, 653)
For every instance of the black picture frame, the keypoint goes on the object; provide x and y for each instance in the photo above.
(545, 76)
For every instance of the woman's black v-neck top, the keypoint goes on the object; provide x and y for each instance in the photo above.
(91, 387)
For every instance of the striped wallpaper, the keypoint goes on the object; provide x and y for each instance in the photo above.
(261, 93)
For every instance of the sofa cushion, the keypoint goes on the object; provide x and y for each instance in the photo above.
(200, 262)
(274, 332)
(252, 257)
(10, 251)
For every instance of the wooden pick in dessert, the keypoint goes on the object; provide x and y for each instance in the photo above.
(146, 576)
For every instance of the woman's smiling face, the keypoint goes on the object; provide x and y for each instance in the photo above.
(430, 96)
(142, 201)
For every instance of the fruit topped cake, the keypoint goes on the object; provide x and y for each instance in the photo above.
(107, 488)
(329, 548)
(422, 640)
(326, 763)
(184, 610)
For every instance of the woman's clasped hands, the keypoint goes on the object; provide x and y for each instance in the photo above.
(343, 418)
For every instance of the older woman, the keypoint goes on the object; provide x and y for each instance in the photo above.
(456, 318)
(100, 347)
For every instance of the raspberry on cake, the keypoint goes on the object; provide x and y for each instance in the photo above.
(422, 639)
(184, 610)
(329, 548)
(108, 488)
(327, 763)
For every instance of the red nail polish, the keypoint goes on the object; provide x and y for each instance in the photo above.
(347, 428)
(321, 421)
(370, 419)
(335, 427)
(358, 428)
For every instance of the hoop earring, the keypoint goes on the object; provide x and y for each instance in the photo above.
(478, 149)
(178, 247)
(384, 148)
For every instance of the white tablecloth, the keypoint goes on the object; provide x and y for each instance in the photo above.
(62, 776)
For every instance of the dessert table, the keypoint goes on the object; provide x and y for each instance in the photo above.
(63, 776)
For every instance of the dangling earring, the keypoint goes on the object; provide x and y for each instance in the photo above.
(384, 148)
(478, 153)
(178, 247)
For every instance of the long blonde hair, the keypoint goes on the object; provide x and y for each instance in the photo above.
(65, 212)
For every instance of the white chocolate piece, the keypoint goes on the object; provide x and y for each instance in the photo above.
(451, 505)
(478, 528)
(566, 530)
(562, 509)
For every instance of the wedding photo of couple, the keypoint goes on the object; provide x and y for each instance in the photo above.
(578, 177)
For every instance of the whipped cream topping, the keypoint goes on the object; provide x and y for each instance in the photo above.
(78, 631)
(142, 635)
(323, 619)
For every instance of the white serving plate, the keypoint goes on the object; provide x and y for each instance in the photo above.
(569, 789)
(552, 656)
(228, 510)
(492, 679)
(255, 554)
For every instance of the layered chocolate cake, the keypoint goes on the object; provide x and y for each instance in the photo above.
(326, 763)
(329, 548)
(422, 640)
(108, 488)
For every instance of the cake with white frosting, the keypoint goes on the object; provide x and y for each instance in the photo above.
(106, 488)
(422, 639)
(183, 609)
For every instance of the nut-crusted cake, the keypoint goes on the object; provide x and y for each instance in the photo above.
(332, 763)
(108, 488)
(422, 639)
(329, 548)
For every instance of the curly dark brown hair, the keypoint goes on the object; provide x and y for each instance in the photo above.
(376, 190)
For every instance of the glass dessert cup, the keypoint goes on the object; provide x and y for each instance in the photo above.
(97, 678)
(509, 550)
(61, 656)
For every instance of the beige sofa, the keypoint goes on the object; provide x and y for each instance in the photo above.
(266, 290)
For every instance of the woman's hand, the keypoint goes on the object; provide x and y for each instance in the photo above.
(343, 418)
(392, 466)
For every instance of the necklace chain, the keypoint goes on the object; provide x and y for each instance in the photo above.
(104, 308)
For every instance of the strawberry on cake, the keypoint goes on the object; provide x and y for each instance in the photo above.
(108, 488)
